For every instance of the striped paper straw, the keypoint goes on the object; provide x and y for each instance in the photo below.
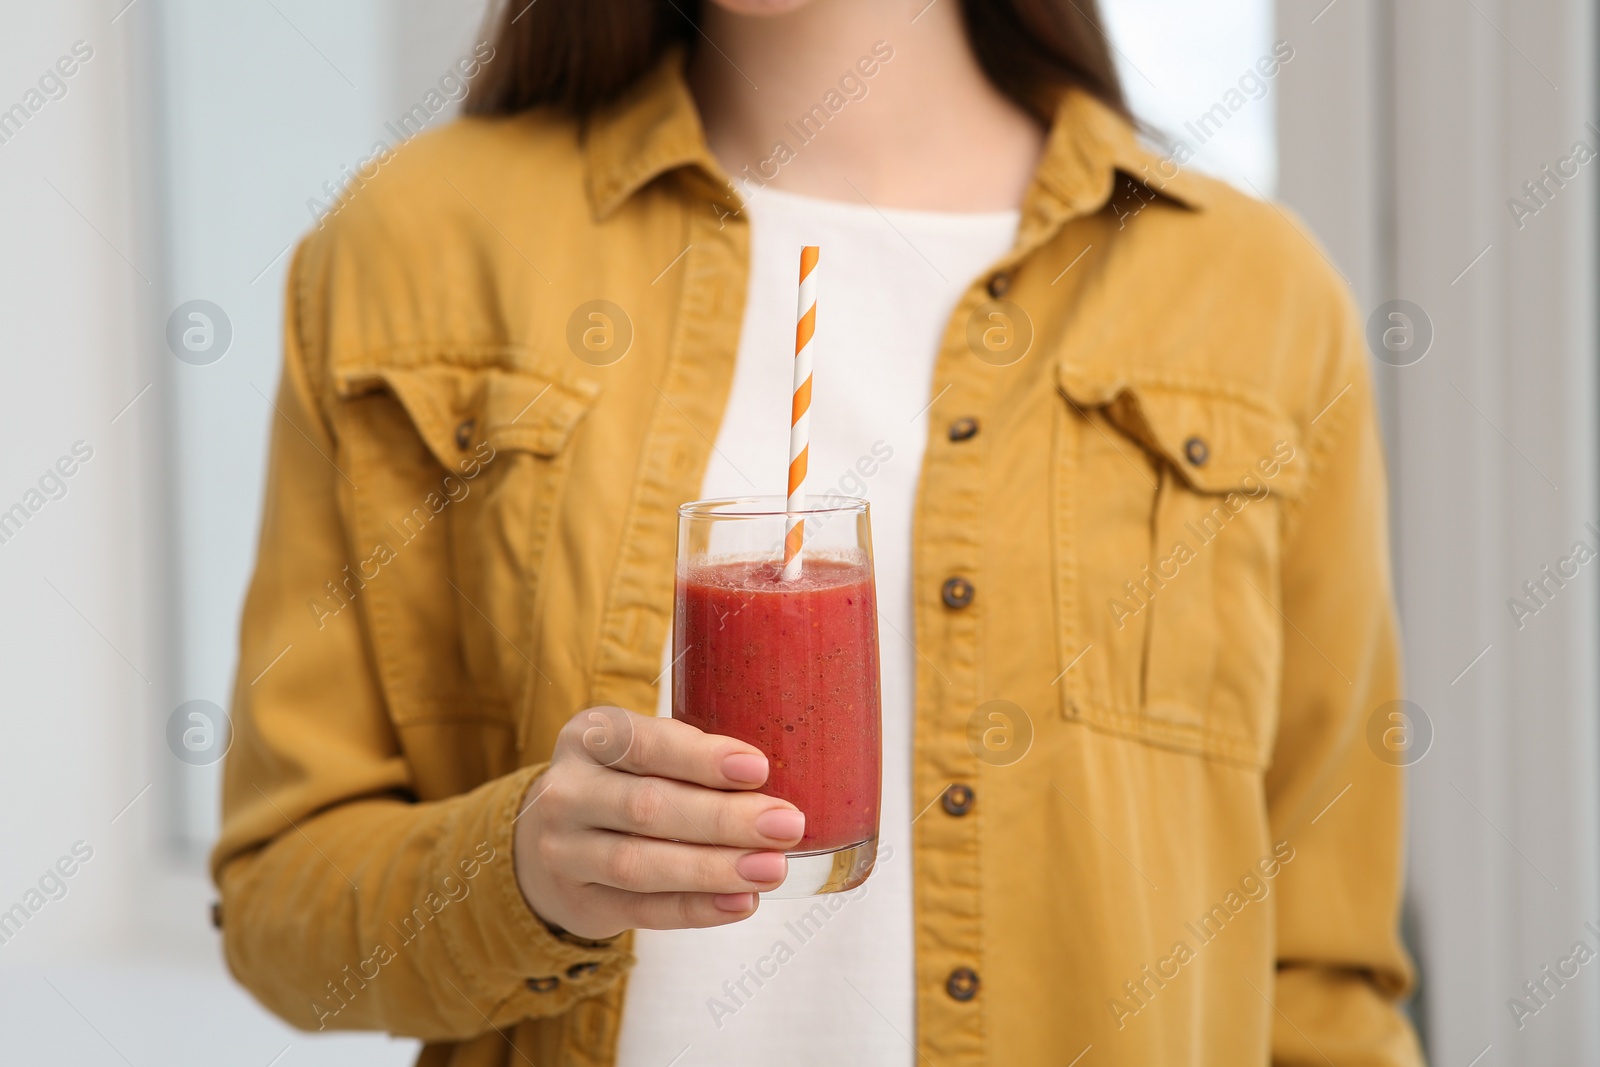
(800, 413)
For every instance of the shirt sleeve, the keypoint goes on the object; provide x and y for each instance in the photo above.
(346, 902)
(1342, 971)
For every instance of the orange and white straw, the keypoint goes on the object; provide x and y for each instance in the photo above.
(800, 414)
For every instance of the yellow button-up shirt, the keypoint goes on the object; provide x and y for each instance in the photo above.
(1152, 459)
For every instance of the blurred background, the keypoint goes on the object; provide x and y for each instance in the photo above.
(1440, 151)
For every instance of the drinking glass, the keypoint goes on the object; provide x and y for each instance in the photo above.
(789, 666)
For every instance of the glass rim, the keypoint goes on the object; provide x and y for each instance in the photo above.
(767, 507)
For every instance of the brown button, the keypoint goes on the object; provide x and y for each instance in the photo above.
(962, 983)
(582, 970)
(464, 434)
(957, 799)
(963, 429)
(543, 985)
(999, 285)
(1196, 451)
(216, 914)
(957, 593)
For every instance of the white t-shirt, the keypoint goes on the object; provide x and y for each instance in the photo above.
(768, 990)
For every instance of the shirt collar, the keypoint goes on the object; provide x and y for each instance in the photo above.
(655, 128)
(1089, 144)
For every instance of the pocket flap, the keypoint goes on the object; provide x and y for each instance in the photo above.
(455, 408)
(1214, 437)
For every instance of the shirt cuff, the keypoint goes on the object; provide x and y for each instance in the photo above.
(515, 964)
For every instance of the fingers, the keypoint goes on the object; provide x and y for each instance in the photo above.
(646, 865)
(675, 911)
(665, 748)
(650, 823)
(660, 807)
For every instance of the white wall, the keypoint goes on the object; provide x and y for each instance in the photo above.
(81, 674)
(176, 166)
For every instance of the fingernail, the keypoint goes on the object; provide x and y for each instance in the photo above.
(781, 824)
(734, 901)
(745, 767)
(762, 867)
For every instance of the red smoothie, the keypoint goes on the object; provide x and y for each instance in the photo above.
(792, 668)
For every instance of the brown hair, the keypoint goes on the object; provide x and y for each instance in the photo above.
(581, 54)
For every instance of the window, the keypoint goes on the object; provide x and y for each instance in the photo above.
(1198, 74)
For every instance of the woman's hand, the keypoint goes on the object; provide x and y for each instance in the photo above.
(646, 822)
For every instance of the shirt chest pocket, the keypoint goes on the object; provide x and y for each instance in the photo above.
(454, 475)
(1169, 507)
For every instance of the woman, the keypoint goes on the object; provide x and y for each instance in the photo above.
(1115, 424)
